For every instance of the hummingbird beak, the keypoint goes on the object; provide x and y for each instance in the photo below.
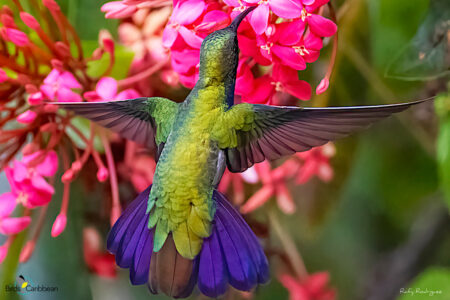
(235, 24)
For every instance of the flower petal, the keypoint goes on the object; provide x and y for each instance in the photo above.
(26, 117)
(49, 91)
(40, 184)
(169, 36)
(321, 26)
(289, 57)
(298, 88)
(68, 80)
(49, 166)
(107, 88)
(286, 8)
(189, 11)
(259, 18)
(190, 38)
(127, 94)
(263, 90)
(289, 33)
(7, 204)
(67, 95)
(14, 225)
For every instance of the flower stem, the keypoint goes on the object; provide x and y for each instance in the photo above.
(288, 244)
(112, 177)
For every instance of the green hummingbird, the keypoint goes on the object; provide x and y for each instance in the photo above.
(181, 232)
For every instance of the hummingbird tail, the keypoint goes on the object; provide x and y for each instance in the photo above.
(230, 255)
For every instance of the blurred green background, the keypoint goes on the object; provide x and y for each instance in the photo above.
(382, 223)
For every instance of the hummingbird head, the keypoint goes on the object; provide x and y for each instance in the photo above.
(219, 53)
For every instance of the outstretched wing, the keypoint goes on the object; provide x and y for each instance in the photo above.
(251, 133)
(146, 121)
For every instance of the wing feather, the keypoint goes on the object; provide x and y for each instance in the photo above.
(134, 119)
(276, 131)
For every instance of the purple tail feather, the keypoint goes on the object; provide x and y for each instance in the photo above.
(231, 255)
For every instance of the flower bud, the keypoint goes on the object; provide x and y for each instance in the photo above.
(68, 176)
(62, 49)
(29, 20)
(35, 98)
(17, 37)
(50, 108)
(323, 86)
(57, 64)
(7, 21)
(76, 166)
(51, 5)
(27, 117)
(102, 174)
(7, 10)
(59, 225)
(31, 88)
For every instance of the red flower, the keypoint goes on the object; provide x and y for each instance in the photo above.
(314, 287)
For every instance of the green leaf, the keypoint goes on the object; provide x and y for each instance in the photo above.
(86, 17)
(123, 57)
(426, 56)
(431, 284)
(442, 106)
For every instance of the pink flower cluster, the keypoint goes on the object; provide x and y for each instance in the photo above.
(29, 187)
(33, 74)
(301, 167)
(276, 40)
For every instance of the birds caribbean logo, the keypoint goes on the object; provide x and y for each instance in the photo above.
(22, 282)
(181, 232)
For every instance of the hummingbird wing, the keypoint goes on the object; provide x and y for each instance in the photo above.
(134, 119)
(254, 132)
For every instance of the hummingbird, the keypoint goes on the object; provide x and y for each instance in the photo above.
(181, 232)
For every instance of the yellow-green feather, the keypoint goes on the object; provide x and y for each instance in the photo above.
(181, 198)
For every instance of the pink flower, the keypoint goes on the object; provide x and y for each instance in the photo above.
(28, 185)
(316, 162)
(184, 13)
(286, 9)
(283, 79)
(148, 39)
(118, 10)
(45, 164)
(106, 90)
(27, 117)
(314, 287)
(274, 185)
(58, 86)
